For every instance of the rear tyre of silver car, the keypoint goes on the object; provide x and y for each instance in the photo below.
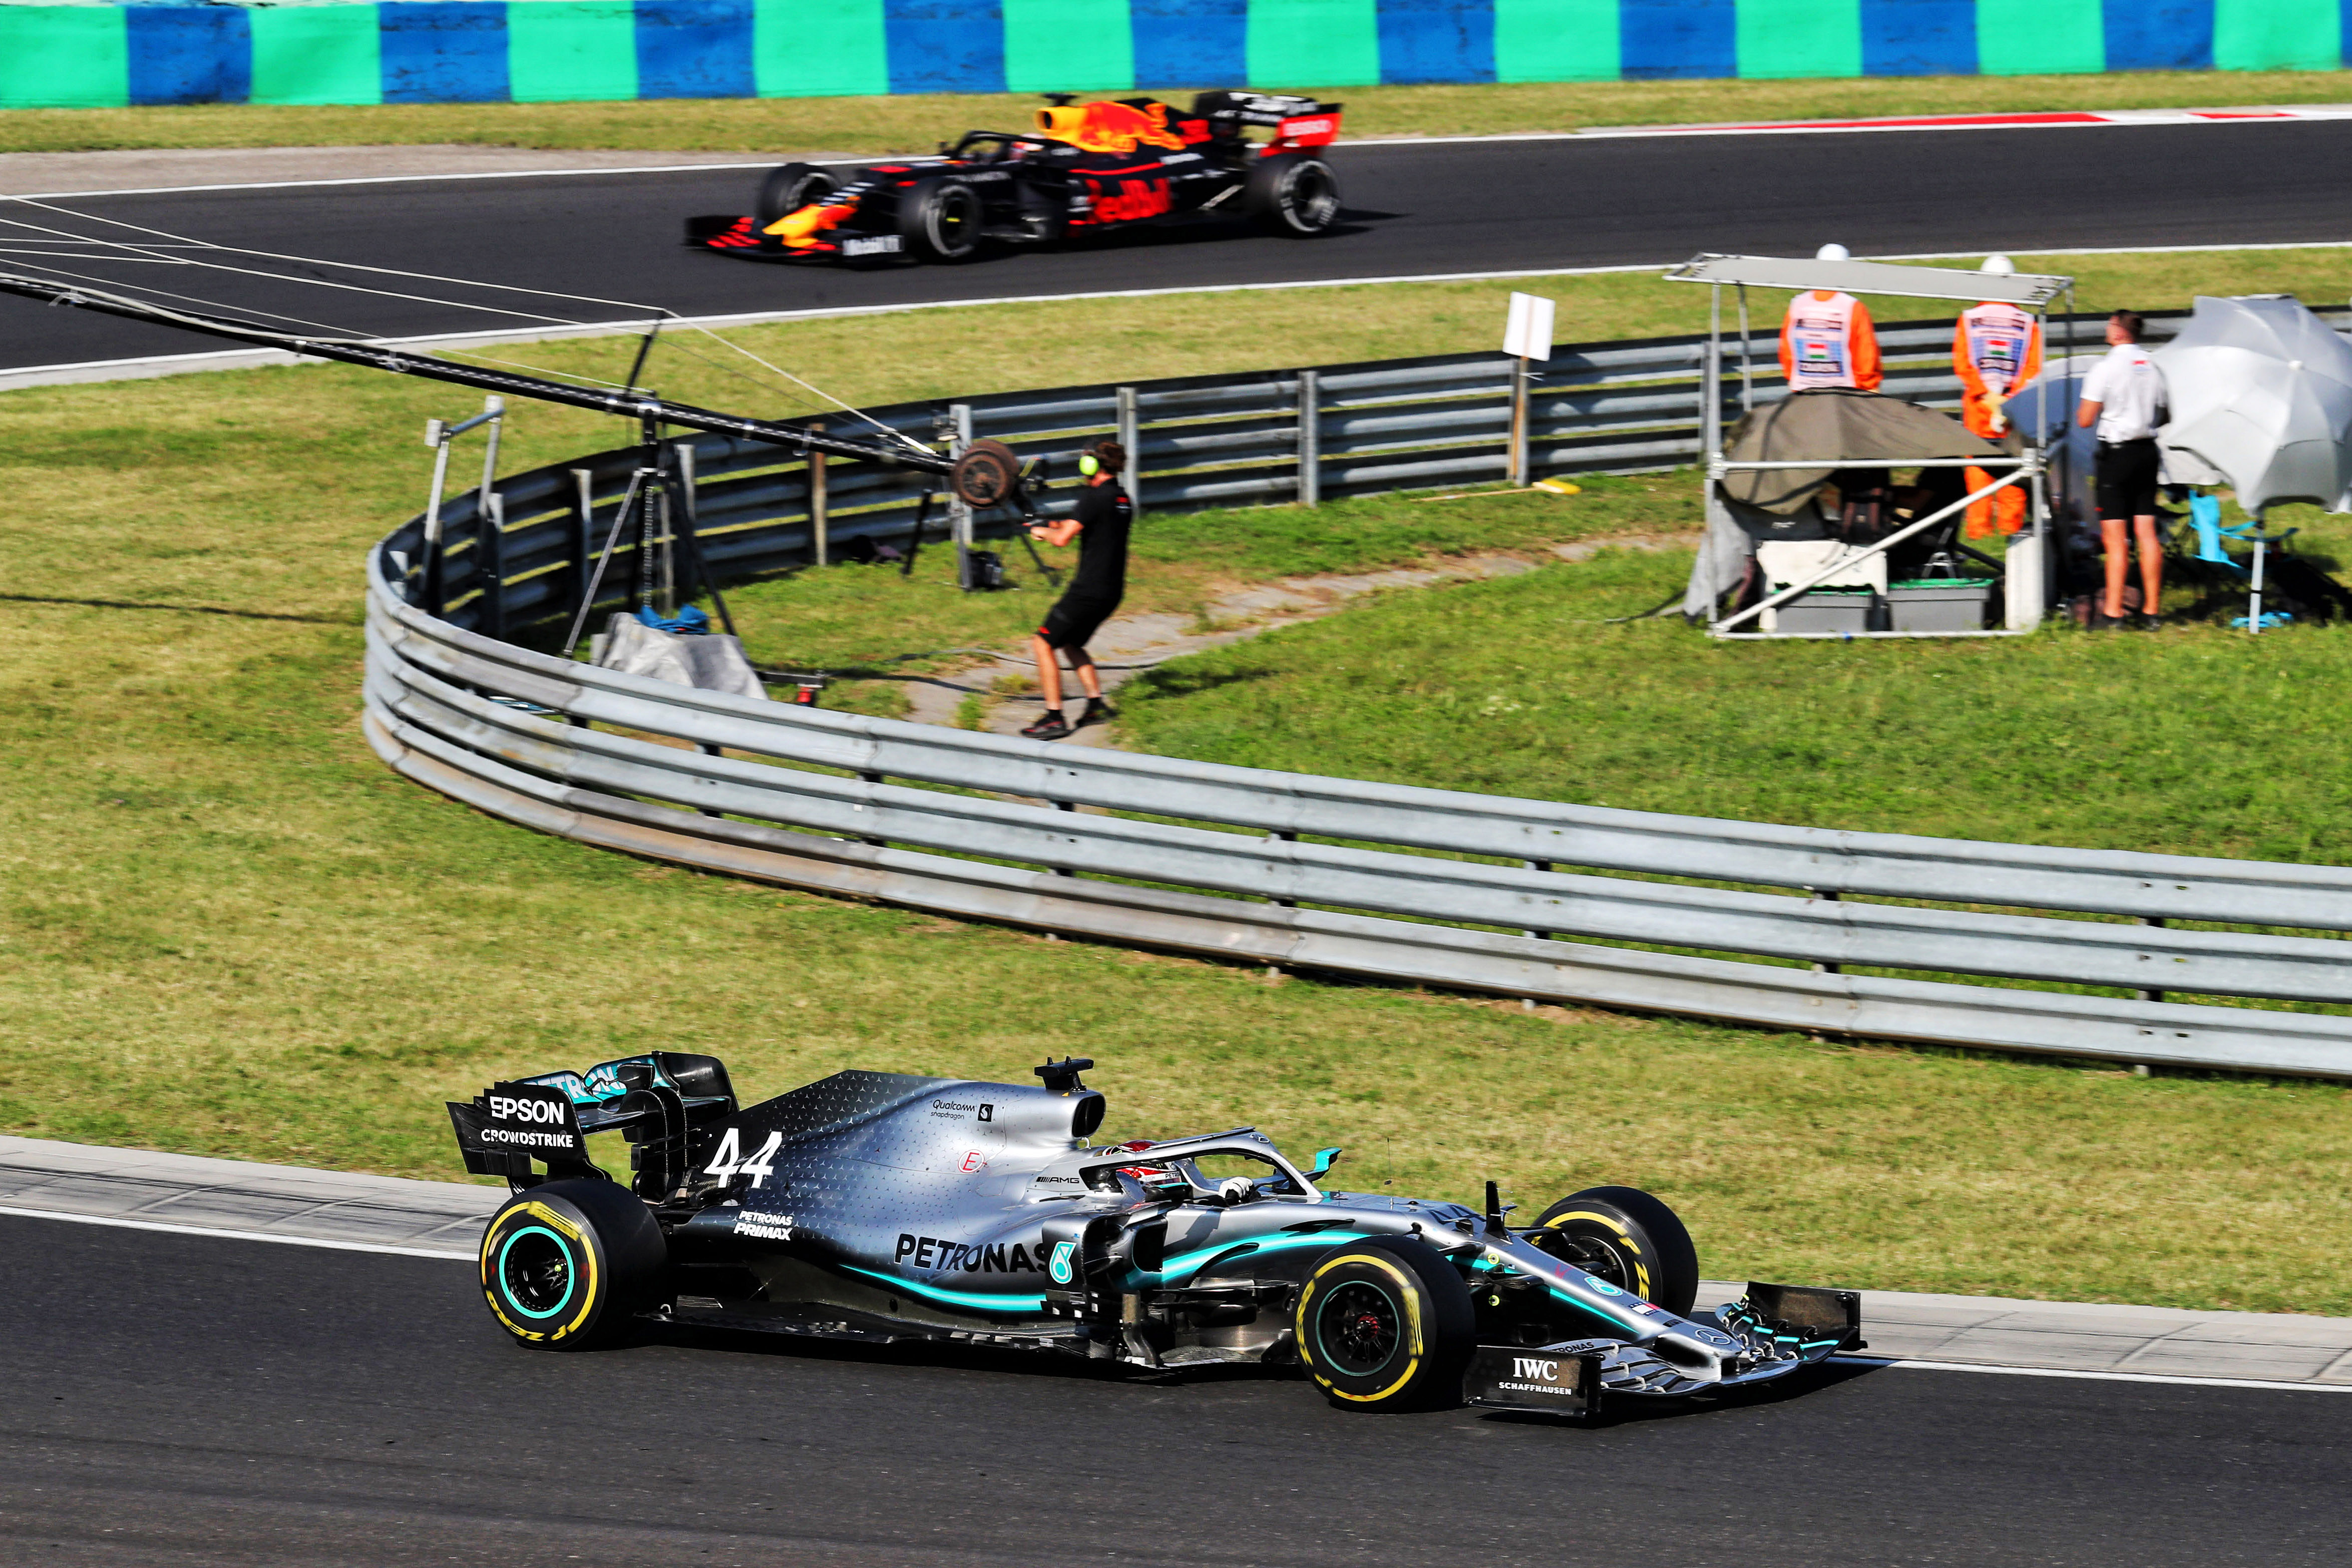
(1385, 1325)
(1628, 1237)
(790, 187)
(1293, 193)
(940, 219)
(565, 1264)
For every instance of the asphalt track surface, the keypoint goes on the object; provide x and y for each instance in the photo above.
(173, 1399)
(1411, 210)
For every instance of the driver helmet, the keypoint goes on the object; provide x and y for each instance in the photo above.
(1156, 1179)
(1833, 252)
(2000, 266)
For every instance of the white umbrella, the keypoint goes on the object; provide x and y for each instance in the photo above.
(2260, 397)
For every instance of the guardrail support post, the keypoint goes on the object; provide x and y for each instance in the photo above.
(708, 750)
(436, 436)
(2145, 994)
(1311, 439)
(1827, 895)
(820, 522)
(1131, 439)
(490, 561)
(873, 778)
(583, 544)
(1519, 461)
(958, 514)
(1536, 866)
(1528, 1004)
(490, 531)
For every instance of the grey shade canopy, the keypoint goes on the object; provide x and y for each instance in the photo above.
(2260, 396)
(2027, 289)
(1842, 430)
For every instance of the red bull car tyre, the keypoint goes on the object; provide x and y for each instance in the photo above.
(565, 1264)
(790, 187)
(942, 219)
(1385, 1324)
(1293, 193)
(1627, 1237)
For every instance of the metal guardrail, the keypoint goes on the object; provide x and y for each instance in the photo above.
(1313, 435)
(1396, 883)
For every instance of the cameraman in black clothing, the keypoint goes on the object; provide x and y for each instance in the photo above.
(1101, 526)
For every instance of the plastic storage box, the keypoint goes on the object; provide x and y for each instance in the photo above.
(1830, 610)
(1939, 604)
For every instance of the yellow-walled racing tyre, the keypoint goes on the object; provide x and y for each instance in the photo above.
(566, 1264)
(1385, 1325)
(1627, 1237)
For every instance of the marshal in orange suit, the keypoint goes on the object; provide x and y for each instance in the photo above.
(1827, 339)
(1996, 348)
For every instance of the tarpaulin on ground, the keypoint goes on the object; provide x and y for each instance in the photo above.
(1840, 429)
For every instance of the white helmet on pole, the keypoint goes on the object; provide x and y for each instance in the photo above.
(1833, 252)
(2000, 265)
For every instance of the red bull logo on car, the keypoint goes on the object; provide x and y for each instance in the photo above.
(1109, 127)
(1142, 199)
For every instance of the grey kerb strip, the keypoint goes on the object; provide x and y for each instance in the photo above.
(77, 1181)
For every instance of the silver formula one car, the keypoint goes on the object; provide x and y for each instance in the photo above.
(882, 1207)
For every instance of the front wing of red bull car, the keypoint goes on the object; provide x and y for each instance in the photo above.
(882, 1206)
(1083, 168)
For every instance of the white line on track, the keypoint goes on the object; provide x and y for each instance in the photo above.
(2273, 1385)
(239, 359)
(237, 1235)
(401, 179)
(1891, 1363)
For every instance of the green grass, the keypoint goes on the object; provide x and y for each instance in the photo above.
(2193, 740)
(914, 124)
(226, 928)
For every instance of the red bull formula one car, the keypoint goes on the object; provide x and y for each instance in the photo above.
(1085, 169)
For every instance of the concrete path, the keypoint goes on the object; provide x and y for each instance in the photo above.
(1128, 645)
(288, 1203)
(444, 1220)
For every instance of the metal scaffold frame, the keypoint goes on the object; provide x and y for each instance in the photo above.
(2033, 291)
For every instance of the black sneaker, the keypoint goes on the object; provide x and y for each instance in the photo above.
(1098, 710)
(1052, 727)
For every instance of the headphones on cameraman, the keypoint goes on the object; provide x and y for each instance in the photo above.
(1089, 465)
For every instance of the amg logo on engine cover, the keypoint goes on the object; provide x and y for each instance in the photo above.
(957, 1257)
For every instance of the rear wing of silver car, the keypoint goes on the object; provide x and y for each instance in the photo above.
(660, 1102)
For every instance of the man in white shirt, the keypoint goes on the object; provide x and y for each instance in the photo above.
(2124, 397)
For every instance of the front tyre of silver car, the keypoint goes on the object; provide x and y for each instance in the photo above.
(1385, 1324)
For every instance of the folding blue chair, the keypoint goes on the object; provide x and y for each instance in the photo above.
(2205, 518)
